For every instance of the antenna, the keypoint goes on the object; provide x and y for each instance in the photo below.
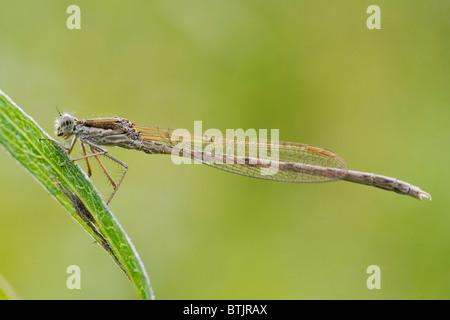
(58, 110)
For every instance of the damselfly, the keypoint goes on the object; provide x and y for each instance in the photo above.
(296, 162)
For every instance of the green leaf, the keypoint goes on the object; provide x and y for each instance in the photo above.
(71, 187)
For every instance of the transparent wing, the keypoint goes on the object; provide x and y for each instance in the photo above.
(269, 160)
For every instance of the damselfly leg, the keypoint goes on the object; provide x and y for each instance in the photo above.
(96, 152)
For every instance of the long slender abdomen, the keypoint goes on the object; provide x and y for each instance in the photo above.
(386, 183)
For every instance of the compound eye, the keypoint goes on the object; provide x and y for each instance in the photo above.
(64, 126)
(67, 123)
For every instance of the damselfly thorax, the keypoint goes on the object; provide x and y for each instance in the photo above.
(295, 162)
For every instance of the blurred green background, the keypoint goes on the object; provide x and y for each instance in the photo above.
(313, 70)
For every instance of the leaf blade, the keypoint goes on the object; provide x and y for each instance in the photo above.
(20, 135)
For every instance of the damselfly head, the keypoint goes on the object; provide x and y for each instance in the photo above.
(64, 125)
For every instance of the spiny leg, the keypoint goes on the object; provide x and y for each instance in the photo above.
(104, 168)
(104, 153)
(87, 160)
(100, 151)
(68, 149)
